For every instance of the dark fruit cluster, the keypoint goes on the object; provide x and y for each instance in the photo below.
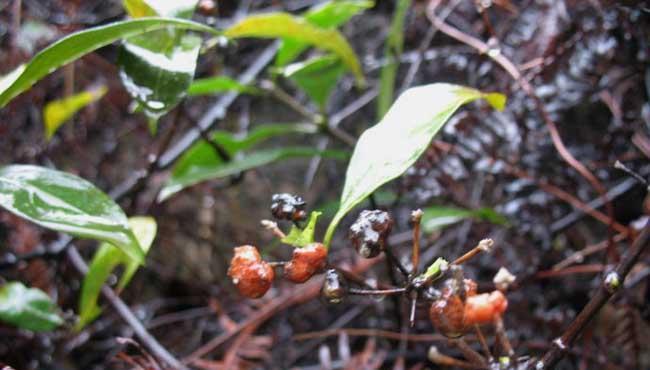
(305, 262)
(460, 307)
(289, 207)
(369, 232)
(251, 275)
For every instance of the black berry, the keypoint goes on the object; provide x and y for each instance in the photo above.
(335, 288)
(290, 207)
(369, 232)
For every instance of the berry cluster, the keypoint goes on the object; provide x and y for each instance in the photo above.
(455, 305)
(253, 276)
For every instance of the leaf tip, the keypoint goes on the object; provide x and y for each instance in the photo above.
(496, 100)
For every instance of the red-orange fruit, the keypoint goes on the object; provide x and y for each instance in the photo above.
(447, 315)
(305, 262)
(251, 275)
(485, 308)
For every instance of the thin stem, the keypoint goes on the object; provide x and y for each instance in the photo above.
(468, 352)
(357, 291)
(484, 345)
(127, 315)
(416, 218)
(396, 262)
(484, 245)
(610, 285)
(274, 91)
(502, 337)
(639, 178)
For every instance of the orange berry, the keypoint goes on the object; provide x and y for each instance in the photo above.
(484, 308)
(447, 315)
(305, 262)
(251, 275)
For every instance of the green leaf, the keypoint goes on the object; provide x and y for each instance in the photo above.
(392, 52)
(203, 156)
(436, 268)
(158, 67)
(63, 202)
(57, 112)
(163, 8)
(317, 77)
(283, 25)
(218, 84)
(302, 237)
(79, 44)
(239, 164)
(331, 14)
(104, 262)
(435, 218)
(28, 308)
(386, 150)
(138, 9)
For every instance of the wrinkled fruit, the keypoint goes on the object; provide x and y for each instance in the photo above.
(485, 308)
(306, 262)
(251, 275)
(290, 207)
(452, 317)
(334, 288)
(369, 232)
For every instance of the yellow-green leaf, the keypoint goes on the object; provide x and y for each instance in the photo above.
(283, 25)
(105, 260)
(57, 112)
(302, 237)
(386, 150)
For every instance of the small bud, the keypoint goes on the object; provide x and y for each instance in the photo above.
(290, 207)
(334, 287)
(503, 279)
(305, 262)
(251, 275)
(612, 282)
(369, 232)
(486, 245)
(416, 216)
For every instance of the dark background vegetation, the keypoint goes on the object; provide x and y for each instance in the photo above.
(587, 60)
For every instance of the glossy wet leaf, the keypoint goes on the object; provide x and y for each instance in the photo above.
(64, 202)
(204, 156)
(158, 67)
(105, 260)
(239, 164)
(302, 237)
(28, 308)
(317, 77)
(438, 217)
(331, 14)
(386, 150)
(79, 44)
(283, 25)
(217, 85)
(57, 112)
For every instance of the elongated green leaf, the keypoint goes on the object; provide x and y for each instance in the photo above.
(104, 261)
(331, 14)
(138, 9)
(203, 155)
(218, 84)
(283, 25)
(28, 308)
(392, 52)
(317, 77)
(67, 203)
(386, 150)
(57, 112)
(239, 164)
(302, 237)
(79, 44)
(438, 217)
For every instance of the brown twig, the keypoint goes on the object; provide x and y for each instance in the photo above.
(484, 245)
(610, 285)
